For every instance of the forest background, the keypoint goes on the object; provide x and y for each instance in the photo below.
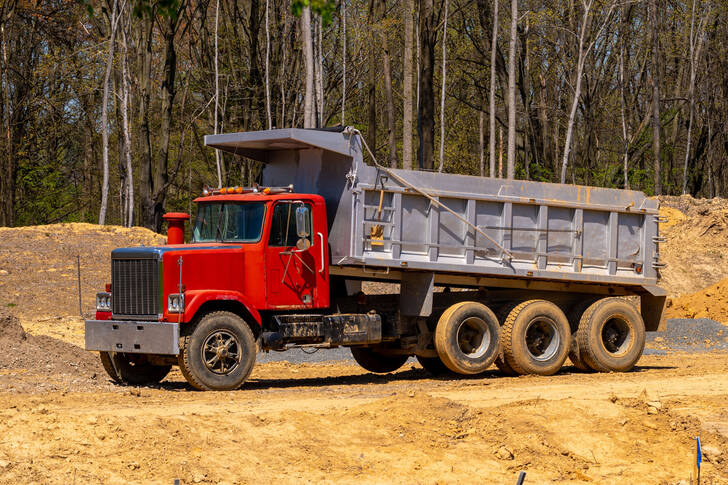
(104, 104)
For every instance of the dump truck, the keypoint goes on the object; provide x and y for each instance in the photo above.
(480, 271)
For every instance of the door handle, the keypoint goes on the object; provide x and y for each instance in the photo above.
(323, 264)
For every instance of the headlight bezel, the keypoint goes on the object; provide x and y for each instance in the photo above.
(103, 301)
(176, 303)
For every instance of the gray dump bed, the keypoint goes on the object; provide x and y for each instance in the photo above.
(385, 221)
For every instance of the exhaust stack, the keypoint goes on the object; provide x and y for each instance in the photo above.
(176, 229)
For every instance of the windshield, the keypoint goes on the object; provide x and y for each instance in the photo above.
(231, 222)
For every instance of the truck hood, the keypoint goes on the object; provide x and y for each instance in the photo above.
(158, 251)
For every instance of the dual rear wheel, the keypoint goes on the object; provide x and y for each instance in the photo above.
(610, 336)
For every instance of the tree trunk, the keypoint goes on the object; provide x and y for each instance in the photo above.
(481, 147)
(500, 152)
(168, 92)
(407, 86)
(308, 101)
(512, 92)
(654, 28)
(319, 74)
(426, 110)
(442, 91)
(218, 153)
(694, 55)
(623, 102)
(267, 67)
(582, 54)
(392, 135)
(129, 209)
(491, 100)
(146, 183)
(105, 113)
(343, 62)
(372, 87)
(9, 166)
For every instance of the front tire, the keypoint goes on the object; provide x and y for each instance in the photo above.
(536, 338)
(467, 337)
(434, 365)
(218, 353)
(378, 362)
(132, 369)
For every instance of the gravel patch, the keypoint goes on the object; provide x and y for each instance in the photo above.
(688, 335)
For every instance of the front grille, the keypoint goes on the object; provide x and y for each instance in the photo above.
(135, 287)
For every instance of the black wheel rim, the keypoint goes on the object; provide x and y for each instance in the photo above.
(473, 337)
(542, 339)
(221, 352)
(616, 335)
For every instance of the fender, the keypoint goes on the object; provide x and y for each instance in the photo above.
(194, 299)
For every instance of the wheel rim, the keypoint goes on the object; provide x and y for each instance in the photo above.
(616, 335)
(542, 339)
(221, 352)
(473, 337)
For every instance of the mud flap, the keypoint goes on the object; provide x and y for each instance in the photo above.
(652, 307)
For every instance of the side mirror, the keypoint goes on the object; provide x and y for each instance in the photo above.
(303, 227)
(303, 221)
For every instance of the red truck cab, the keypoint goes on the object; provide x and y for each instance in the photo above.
(256, 257)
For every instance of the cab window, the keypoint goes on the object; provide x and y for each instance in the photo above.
(283, 224)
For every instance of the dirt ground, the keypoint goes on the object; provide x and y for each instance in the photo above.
(38, 268)
(333, 423)
(710, 302)
(696, 249)
(63, 421)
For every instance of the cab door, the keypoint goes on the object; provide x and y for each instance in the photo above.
(293, 263)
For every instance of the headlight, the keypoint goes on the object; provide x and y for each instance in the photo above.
(103, 302)
(176, 303)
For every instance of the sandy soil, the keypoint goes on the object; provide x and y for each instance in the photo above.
(696, 249)
(62, 421)
(38, 268)
(333, 423)
(711, 302)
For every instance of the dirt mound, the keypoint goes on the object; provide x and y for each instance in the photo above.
(38, 275)
(696, 243)
(32, 363)
(10, 330)
(711, 302)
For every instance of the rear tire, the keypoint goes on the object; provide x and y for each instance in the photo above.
(536, 338)
(611, 335)
(132, 368)
(433, 365)
(500, 361)
(574, 317)
(218, 353)
(378, 362)
(467, 337)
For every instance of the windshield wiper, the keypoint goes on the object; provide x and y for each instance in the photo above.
(218, 231)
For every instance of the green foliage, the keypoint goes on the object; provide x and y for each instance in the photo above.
(165, 8)
(323, 8)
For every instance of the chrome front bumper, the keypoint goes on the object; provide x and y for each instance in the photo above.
(134, 337)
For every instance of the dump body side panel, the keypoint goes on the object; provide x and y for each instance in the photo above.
(382, 219)
(524, 229)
